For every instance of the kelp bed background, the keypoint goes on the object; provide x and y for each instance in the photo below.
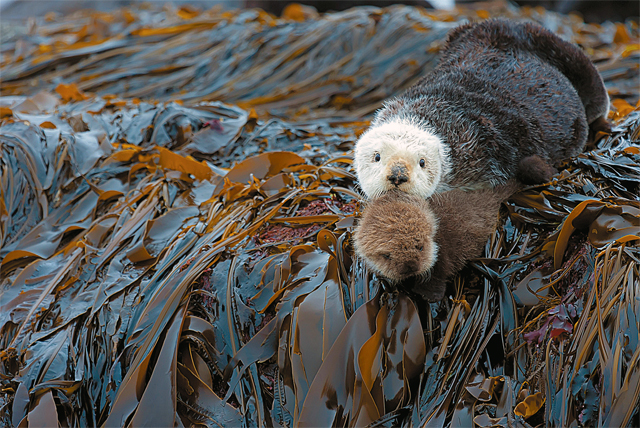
(171, 260)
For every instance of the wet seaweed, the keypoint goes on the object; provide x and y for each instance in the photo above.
(181, 253)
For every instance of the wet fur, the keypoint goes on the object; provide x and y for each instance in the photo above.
(502, 92)
(534, 170)
(396, 235)
(456, 224)
(401, 146)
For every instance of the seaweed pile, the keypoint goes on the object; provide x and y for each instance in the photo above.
(176, 208)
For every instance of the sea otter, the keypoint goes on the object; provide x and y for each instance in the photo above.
(396, 235)
(418, 244)
(504, 93)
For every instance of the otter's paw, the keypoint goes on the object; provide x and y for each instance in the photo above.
(429, 290)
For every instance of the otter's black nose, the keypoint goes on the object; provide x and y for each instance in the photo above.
(399, 175)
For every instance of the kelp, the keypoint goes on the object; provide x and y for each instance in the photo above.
(339, 65)
(170, 259)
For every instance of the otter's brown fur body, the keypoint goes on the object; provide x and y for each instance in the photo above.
(456, 224)
(466, 221)
(503, 91)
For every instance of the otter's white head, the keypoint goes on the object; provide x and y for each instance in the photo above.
(400, 155)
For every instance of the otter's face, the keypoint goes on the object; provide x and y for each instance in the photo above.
(395, 236)
(397, 155)
(401, 259)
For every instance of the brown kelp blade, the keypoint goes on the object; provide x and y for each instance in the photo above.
(188, 262)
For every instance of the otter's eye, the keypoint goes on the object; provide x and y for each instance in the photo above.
(376, 157)
(419, 247)
(387, 256)
(422, 163)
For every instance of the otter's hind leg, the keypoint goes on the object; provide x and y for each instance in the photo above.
(575, 65)
(534, 170)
